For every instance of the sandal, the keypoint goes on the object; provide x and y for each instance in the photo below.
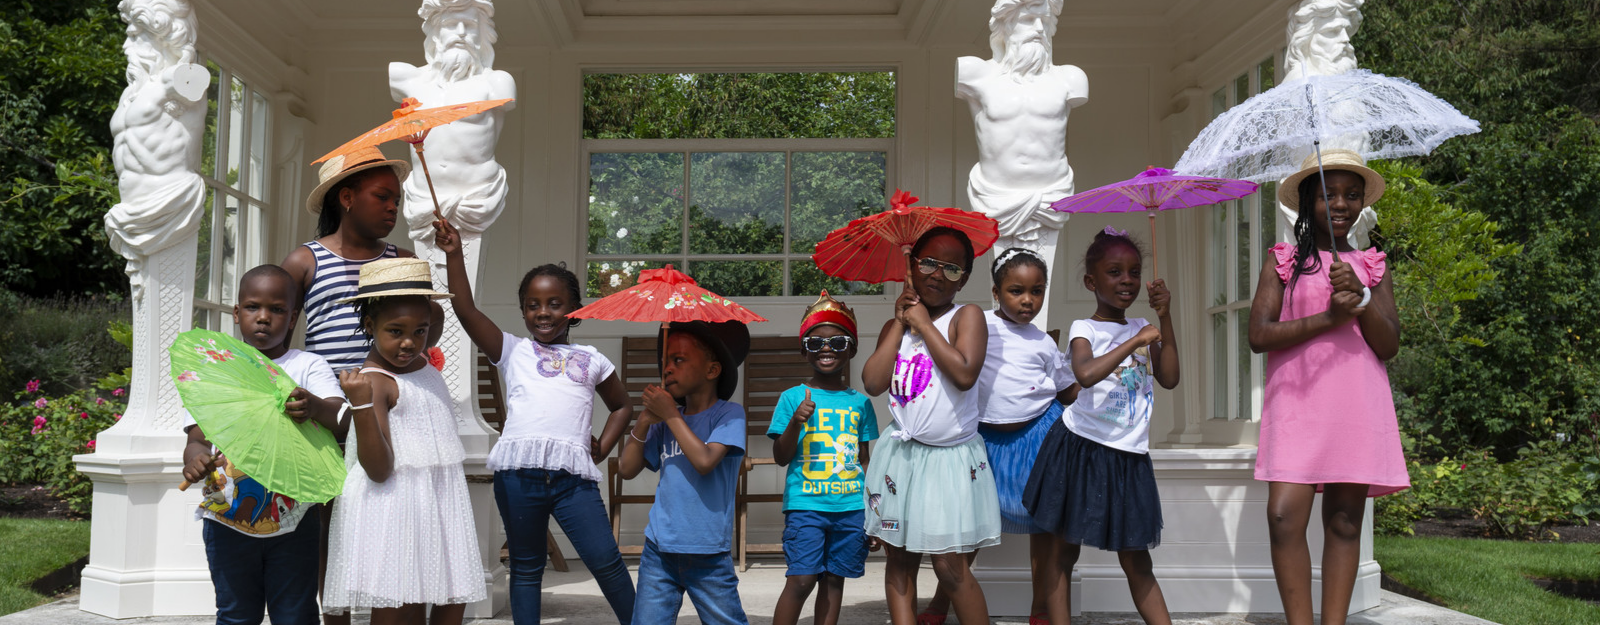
(1039, 619)
(929, 618)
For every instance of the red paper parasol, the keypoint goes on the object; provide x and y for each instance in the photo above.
(872, 249)
(412, 123)
(665, 295)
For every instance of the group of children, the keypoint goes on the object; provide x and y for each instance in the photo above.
(994, 430)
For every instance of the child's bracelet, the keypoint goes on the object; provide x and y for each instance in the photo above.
(362, 406)
(343, 408)
(630, 435)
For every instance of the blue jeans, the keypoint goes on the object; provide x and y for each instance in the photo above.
(253, 575)
(708, 578)
(527, 498)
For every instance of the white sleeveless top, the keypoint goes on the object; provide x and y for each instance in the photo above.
(927, 407)
(422, 423)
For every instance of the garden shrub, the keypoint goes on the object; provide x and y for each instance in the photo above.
(1545, 485)
(40, 434)
(63, 342)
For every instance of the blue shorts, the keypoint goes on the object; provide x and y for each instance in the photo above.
(825, 542)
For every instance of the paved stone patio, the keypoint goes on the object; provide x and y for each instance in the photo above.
(574, 599)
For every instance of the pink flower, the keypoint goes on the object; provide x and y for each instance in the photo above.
(99, 401)
(90, 445)
(117, 416)
(38, 423)
(31, 387)
(117, 392)
(83, 415)
(40, 403)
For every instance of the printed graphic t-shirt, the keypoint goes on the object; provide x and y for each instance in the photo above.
(693, 513)
(826, 474)
(1115, 412)
(238, 501)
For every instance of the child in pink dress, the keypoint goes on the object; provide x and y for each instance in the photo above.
(1327, 414)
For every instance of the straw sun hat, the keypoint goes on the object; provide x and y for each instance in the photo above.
(345, 165)
(388, 277)
(1332, 160)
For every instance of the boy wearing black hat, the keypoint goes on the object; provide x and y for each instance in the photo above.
(694, 438)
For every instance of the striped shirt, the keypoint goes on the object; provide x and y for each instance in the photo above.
(332, 330)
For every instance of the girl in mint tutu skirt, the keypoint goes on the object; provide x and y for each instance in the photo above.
(930, 488)
(1093, 483)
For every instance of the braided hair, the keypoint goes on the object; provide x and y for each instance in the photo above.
(1016, 257)
(1306, 259)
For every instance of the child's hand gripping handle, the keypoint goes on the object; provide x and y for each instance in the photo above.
(196, 470)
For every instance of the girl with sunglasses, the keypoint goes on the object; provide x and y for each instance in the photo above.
(930, 488)
(1026, 383)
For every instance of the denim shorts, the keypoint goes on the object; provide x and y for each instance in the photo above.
(825, 542)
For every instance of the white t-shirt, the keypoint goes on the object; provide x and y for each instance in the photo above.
(549, 406)
(1115, 412)
(277, 514)
(1022, 372)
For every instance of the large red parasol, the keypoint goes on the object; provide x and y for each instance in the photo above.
(872, 249)
(665, 295)
(411, 122)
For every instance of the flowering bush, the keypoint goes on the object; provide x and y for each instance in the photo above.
(1543, 486)
(39, 435)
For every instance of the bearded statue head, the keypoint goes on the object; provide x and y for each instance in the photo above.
(460, 36)
(160, 34)
(1020, 34)
(1319, 37)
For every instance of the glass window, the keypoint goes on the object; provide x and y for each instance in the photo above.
(234, 166)
(1242, 233)
(733, 178)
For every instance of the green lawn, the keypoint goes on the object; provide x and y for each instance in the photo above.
(31, 548)
(1487, 578)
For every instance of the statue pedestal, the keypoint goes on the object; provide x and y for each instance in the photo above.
(146, 555)
(477, 438)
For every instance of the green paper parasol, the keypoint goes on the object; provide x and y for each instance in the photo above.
(236, 396)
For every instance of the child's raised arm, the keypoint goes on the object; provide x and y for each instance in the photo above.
(483, 332)
(878, 371)
(615, 395)
(960, 358)
(1091, 369)
(632, 460)
(304, 404)
(702, 455)
(373, 396)
(1164, 353)
(1267, 334)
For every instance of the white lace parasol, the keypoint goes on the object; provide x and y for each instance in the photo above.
(1268, 136)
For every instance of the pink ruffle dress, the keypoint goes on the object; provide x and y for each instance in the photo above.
(1327, 415)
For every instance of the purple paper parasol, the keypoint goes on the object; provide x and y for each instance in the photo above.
(1155, 189)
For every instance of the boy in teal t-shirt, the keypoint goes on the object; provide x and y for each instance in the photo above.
(820, 431)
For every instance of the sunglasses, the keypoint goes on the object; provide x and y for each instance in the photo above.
(839, 344)
(952, 271)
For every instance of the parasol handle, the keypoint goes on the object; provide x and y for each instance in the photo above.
(429, 177)
(1322, 178)
(1155, 250)
(185, 485)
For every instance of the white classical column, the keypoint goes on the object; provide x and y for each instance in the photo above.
(471, 188)
(146, 556)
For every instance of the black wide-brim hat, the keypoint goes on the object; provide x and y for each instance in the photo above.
(729, 341)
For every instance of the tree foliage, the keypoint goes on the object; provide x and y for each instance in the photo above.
(1522, 361)
(61, 72)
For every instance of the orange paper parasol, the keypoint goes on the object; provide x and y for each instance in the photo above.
(665, 295)
(872, 249)
(411, 122)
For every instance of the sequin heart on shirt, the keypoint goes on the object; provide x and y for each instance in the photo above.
(911, 377)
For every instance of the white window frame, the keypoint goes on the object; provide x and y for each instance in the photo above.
(688, 147)
(1230, 380)
(253, 220)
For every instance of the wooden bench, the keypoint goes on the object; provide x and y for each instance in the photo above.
(639, 367)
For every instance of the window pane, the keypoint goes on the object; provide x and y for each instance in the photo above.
(236, 130)
(828, 189)
(1242, 249)
(808, 281)
(208, 156)
(1265, 72)
(736, 203)
(259, 111)
(202, 256)
(1247, 378)
(1222, 386)
(202, 319)
(739, 278)
(1219, 103)
(636, 203)
(229, 254)
(1219, 255)
(255, 236)
(815, 105)
(1241, 89)
(1269, 219)
(607, 277)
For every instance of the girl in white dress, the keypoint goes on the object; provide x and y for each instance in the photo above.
(403, 536)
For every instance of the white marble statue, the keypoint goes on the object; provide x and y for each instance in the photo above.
(1020, 102)
(156, 130)
(1319, 44)
(471, 185)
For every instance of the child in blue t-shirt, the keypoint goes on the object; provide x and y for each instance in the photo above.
(694, 438)
(820, 430)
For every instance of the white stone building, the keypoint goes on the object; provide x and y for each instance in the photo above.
(307, 75)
